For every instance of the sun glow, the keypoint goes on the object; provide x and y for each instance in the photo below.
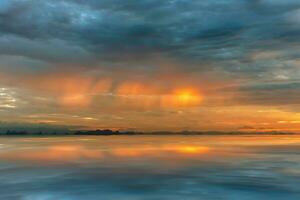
(187, 97)
(192, 149)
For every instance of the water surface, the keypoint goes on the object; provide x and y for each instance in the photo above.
(150, 168)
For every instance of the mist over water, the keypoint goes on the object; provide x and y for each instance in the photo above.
(150, 168)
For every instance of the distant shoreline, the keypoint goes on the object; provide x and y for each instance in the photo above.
(133, 133)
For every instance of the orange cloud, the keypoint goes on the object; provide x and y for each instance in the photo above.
(149, 95)
(182, 97)
(80, 90)
(71, 89)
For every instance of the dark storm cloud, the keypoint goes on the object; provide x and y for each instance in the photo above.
(206, 30)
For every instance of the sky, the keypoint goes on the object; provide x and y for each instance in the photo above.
(148, 65)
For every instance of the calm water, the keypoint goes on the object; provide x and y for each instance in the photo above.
(150, 168)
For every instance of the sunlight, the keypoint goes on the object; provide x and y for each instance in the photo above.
(186, 97)
(187, 149)
(75, 100)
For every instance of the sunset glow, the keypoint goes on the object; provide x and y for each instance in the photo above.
(187, 97)
(114, 65)
(149, 99)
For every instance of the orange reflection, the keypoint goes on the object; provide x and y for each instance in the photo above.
(60, 153)
(140, 151)
(129, 152)
(68, 153)
(192, 149)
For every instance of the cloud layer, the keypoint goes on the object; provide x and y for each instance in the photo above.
(94, 54)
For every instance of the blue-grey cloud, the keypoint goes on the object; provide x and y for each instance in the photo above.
(213, 30)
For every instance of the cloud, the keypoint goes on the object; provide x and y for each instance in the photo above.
(94, 54)
(269, 94)
(181, 29)
(135, 35)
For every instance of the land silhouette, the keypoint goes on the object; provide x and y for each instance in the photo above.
(108, 132)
